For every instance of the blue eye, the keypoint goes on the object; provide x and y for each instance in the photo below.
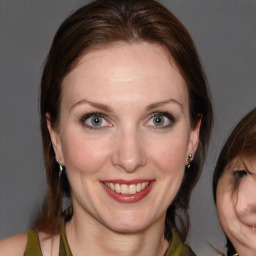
(160, 120)
(95, 120)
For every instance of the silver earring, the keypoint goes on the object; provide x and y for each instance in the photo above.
(190, 158)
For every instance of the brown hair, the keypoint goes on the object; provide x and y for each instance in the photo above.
(94, 26)
(240, 143)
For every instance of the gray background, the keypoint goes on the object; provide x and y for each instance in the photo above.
(224, 32)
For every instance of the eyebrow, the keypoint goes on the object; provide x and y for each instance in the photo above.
(93, 104)
(161, 103)
(109, 109)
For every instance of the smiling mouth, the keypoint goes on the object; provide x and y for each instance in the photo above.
(127, 189)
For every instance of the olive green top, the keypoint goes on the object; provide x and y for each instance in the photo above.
(177, 248)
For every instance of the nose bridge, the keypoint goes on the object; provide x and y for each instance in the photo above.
(130, 151)
(246, 197)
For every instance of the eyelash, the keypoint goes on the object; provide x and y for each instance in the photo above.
(238, 175)
(162, 114)
(86, 117)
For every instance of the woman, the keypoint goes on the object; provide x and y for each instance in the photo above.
(124, 106)
(234, 187)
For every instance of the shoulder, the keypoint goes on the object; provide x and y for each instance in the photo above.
(14, 245)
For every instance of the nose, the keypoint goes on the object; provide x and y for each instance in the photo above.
(129, 152)
(246, 201)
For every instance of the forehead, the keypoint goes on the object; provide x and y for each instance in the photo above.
(141, 68)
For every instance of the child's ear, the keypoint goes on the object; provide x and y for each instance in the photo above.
(55, 138)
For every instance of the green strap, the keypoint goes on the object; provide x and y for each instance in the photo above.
(177, 248)
(64, 247)
(33, 246)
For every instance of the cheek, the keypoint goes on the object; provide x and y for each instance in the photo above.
(246, 202)
(222, 210)
(83, 154)
(170, 164)
(225, 201)
(169, 154)
(221, 198)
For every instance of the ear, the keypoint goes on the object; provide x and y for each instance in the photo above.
(55, 138)
(194, 138)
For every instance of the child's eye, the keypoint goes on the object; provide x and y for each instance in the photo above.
(238, 175)
(95, 120)
(160, 120)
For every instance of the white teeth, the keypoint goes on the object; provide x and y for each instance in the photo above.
(117, 188)
(132, 189)
(138, 189)
(125, 189)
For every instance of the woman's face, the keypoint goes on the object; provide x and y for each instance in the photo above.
(124, 135)
(236, 204)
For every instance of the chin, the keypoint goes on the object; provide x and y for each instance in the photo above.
(129, 223)
(128, 228)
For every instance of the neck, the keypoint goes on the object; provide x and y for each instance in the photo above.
(87, 236)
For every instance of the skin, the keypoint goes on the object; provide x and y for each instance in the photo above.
(128, 84)
(236, 204)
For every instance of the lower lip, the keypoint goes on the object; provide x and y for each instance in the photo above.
(128, 198)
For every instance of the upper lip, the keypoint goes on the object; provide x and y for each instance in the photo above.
(128, 182)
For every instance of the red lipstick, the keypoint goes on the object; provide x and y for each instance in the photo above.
(128, 198)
